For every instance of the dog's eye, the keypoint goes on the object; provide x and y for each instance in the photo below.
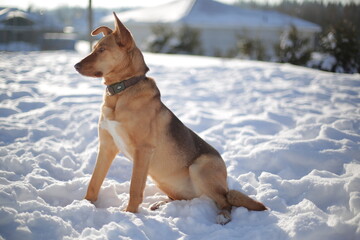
(101, 50)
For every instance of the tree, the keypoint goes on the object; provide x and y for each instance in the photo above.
(342, 43)
(188, 41)
(253, 49)
(166, 40)
(160, 39)
(293, 49)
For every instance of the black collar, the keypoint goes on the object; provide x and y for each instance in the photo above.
(115, 88)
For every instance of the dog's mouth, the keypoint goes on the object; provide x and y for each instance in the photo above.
(79, 67)
(98, 74)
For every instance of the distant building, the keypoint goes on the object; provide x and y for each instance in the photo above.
(221, 26)
(20, 30)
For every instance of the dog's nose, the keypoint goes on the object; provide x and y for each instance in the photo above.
(77, 66)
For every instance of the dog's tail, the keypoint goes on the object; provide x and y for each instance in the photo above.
(238, 199)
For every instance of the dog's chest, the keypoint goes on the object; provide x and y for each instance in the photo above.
(114, 128)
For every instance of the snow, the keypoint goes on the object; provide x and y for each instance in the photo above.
(289, 136)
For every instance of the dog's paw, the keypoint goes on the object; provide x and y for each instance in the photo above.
(91, 200)
(131, 209)
(223, 217)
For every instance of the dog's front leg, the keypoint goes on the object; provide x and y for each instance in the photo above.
(106, 154)
(141, 160)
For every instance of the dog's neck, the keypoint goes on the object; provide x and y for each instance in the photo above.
(126, 74)
(120, 86)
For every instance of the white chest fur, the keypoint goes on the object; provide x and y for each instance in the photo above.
(114, 128)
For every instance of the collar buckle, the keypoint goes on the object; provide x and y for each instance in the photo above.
(115, 88)
(121, 86)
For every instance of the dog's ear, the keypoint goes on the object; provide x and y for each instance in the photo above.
(104, 30)
(122, 34)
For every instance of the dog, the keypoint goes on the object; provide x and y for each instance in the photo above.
(135, 122)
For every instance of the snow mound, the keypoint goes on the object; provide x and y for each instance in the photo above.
(290, 137)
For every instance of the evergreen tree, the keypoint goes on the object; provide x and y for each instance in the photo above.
(165, 40)
(341, 42)
(160, 40)
(251, 49)
(293, 49)
(188, 41)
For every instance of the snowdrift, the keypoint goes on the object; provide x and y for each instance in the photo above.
(290, 137)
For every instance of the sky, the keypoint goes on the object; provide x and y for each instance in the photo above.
(47, 4)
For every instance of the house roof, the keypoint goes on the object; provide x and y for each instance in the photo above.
(28, 19)
(10, 13)
(209, 13)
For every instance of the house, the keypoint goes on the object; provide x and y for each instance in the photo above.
(221, 26)
(21, 30)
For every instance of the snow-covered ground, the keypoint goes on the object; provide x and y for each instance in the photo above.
(290, 137)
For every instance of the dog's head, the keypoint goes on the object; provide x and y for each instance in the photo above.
(114, 56)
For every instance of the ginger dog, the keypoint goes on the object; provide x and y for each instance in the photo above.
(135, 121)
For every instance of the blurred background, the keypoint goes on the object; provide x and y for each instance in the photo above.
(322, 34)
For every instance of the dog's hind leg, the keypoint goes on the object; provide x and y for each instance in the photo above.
(209, 177)
(106, 154)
